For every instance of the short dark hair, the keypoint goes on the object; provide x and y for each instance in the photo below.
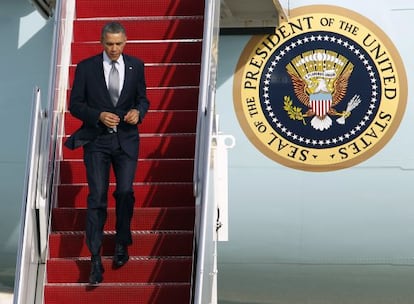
(113, 27)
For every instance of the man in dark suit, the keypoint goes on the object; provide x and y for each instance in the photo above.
(109, 96)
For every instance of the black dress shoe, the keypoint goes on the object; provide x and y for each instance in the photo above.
(97, 270)
(120, 255)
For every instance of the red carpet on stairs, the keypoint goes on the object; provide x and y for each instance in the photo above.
(167, 35)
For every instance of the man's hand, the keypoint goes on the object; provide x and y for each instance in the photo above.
(132, 117)
(109, 119)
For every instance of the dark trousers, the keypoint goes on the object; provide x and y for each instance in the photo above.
(99, 156)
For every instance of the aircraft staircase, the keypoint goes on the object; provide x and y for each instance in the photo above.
(167, 36)
(173, 256)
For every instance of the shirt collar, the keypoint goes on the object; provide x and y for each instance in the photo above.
(109, 61)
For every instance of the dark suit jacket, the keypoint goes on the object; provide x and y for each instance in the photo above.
(90, 97)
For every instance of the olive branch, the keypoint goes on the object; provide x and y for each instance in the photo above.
(294, 113)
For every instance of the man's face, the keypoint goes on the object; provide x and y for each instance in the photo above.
(114, 44)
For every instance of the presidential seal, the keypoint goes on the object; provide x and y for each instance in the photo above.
(325, 92)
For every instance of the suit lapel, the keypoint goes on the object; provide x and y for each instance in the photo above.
(127, 78)
(100, 77)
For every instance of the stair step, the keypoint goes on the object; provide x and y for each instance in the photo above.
(161, 99)
(173, 98)
(128, 8)
(154, 147)
(156, 52)
(137, 270)
(142, 29)
(145, 243)
(173, 75)
(172, 122)
(165, 75)
(178, 218)
(175, 170)
(146, 195)
(117, 293)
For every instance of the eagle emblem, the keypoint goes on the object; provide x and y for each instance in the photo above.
(320, 82)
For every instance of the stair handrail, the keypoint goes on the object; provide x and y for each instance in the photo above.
(28, 255)
(203, 281)
(39, 196)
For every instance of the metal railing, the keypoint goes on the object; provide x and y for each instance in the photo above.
(207, 216)
(29, 249)
(41, 172)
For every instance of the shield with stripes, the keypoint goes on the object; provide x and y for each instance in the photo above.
(320, 103)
